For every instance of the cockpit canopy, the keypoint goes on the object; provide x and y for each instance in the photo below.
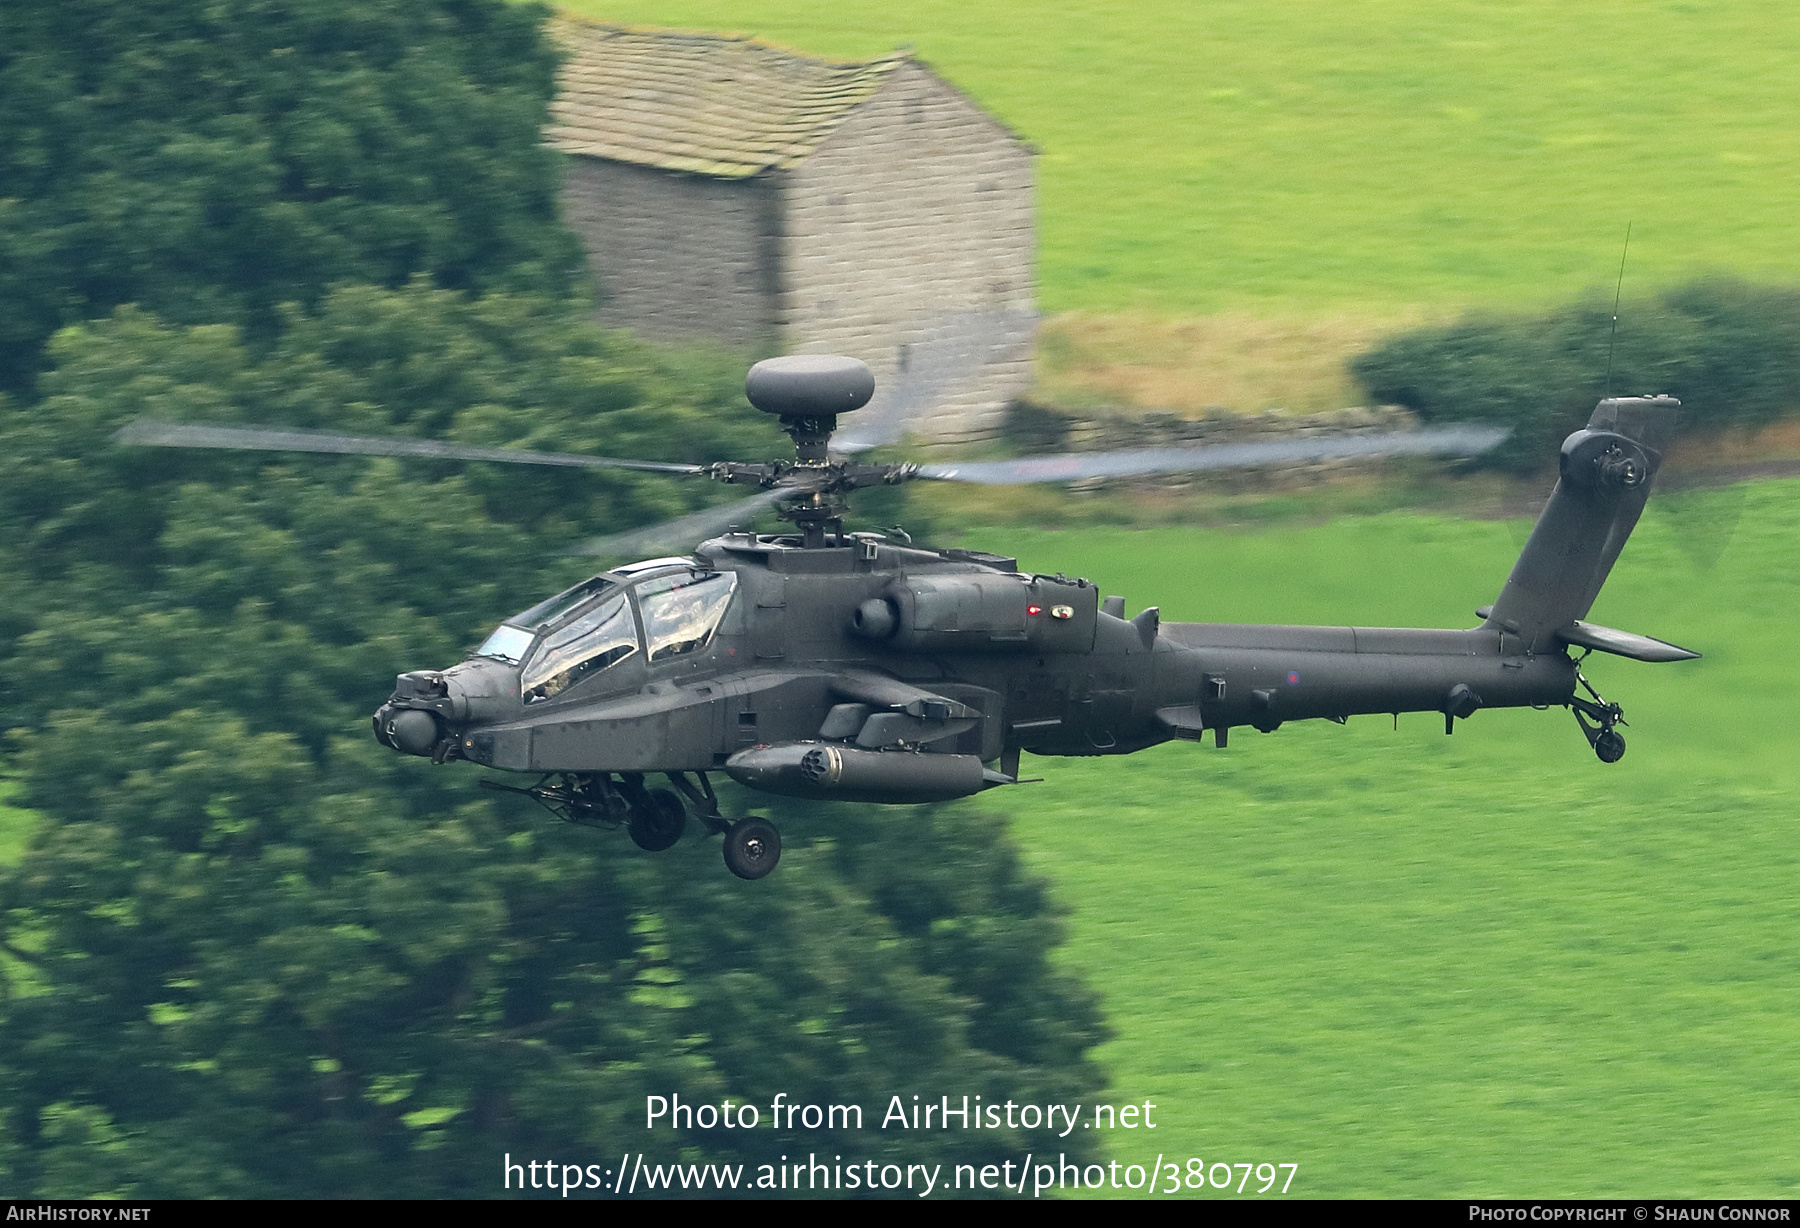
(664, 608)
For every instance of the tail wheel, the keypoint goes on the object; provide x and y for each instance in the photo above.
(752, 847)
(1608, 742)
(658, 821)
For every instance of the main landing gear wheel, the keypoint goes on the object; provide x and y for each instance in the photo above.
(752, 847)
(657, 821)
(1610, 746)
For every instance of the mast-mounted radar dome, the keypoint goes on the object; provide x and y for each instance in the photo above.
(809, 385)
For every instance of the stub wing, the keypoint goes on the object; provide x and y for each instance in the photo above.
(1184, 721)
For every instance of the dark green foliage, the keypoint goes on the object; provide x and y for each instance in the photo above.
(251, 953)
(1728, 349)
(213, 161)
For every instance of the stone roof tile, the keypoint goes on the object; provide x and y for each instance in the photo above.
(713, 104)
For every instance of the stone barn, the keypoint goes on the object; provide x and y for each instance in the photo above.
(735, 191)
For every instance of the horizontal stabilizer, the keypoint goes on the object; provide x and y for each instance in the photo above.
(1622, 643)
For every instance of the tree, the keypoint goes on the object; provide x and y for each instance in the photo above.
(216, 161)
(249, 952)
(260, 955)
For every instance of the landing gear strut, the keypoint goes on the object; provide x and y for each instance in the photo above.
(1608, 743)
(703, 800)
(752, 845)
(654, 818)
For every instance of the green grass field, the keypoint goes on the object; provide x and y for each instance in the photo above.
(1311, 157)
(1481, 965)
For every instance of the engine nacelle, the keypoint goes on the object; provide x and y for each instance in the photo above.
(845, 773)
(981, 611)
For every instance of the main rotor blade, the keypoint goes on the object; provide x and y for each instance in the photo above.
(1438, 441)
(684, 532)
(192, 435)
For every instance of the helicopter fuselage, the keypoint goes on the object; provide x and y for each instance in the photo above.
(884, 650)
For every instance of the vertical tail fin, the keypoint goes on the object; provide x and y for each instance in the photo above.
(1606, 471)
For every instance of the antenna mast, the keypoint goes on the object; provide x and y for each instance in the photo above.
(1617, 290)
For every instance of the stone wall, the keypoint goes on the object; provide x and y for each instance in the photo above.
(678, 257)
(908, 241)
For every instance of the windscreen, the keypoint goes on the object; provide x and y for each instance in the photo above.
(507, 643)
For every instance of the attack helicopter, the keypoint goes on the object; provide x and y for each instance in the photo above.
(859, 667)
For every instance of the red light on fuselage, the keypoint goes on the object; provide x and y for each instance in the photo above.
(1034, 609)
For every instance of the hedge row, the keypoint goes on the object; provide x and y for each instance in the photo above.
(1728, 349)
